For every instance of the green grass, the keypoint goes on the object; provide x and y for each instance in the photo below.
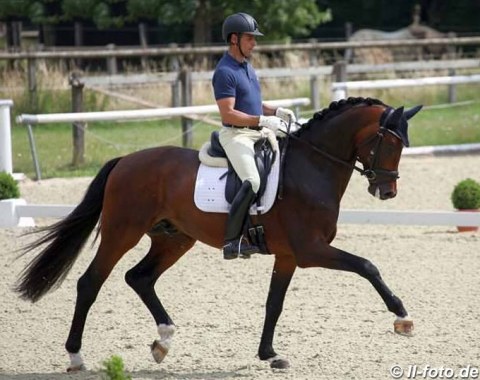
(103, 141)
(455, 125)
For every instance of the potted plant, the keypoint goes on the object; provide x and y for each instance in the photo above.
(9, 200)
(466, 197)
(8, 187)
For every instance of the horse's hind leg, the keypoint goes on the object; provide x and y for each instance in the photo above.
(109, 252)
(334, 258)
(164, 252)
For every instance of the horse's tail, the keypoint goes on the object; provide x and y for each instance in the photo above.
(65, 240)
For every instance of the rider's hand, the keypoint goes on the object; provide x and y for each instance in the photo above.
(285, 114)
(272, 122)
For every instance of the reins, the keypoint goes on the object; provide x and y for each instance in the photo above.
(331, 157)
(370, 173)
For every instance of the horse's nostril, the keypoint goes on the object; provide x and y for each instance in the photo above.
(389, 195)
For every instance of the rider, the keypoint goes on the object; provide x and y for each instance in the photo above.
(238, 96)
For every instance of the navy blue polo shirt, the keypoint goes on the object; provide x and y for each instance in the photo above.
(233, 79)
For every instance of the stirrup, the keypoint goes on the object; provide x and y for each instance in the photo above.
(239, 248)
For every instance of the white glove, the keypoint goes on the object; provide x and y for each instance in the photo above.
(272, 122)
(285, 114)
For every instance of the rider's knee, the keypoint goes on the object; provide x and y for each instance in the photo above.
(255, 182)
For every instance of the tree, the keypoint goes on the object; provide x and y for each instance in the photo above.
(14, 12)
(282, 19)
(97, 11)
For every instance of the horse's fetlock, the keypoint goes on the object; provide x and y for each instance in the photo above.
(266, 353)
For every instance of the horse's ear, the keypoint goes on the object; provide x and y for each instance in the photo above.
(395, 117)
(412, 111)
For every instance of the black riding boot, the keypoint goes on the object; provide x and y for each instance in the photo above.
(235, 245)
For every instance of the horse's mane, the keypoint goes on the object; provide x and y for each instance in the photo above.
(337, 107)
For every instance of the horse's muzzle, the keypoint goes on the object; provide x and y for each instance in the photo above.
(383, 191)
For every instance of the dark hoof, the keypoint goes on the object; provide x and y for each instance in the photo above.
(76, 368)
(279, 363)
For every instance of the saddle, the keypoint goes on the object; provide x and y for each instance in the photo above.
(213, 154)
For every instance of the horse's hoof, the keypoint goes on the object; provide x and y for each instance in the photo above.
(76, 368)
(159, 351)
(278, 363)
(403, 326)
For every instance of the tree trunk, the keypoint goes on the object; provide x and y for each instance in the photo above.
(143, 36)
(78, 30)
(202, 23)
(14, 39)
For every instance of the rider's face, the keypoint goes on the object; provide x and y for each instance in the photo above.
(248, 43)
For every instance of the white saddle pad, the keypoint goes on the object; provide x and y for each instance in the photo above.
(210, 190)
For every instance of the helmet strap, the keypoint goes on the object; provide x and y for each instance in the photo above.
(239, 35)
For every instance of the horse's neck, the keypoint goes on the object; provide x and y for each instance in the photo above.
(318, 175)
(336, 138)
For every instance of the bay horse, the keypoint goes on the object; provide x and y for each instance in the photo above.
(151, 192)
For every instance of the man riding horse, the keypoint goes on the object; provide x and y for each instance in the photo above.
(238, 96)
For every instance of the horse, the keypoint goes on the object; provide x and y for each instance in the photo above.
(151, 192)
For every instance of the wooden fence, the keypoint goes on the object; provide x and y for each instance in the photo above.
(175, 53)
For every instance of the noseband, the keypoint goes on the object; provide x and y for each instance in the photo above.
(372, 173)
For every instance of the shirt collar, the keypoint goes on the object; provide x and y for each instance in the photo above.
(233, 60)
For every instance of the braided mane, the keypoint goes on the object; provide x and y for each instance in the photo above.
(340, 106)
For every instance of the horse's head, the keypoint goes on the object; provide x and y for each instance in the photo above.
(379, 150)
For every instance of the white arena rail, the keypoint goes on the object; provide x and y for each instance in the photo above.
(140, 114)
(340, 89)
(16, 213)
(149, 113)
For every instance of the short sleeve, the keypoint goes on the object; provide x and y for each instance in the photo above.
(224, 84)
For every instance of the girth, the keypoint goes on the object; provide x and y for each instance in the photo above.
(264, 158)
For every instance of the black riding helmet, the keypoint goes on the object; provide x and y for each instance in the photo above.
(239, 23)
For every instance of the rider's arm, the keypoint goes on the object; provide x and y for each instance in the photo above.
(232, 116)
(268, 110)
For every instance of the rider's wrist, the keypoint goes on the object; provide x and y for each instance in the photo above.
(261, 120)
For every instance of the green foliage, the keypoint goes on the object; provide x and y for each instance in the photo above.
(284, 19)
(113, 369)
(79, 9)
(142, 10)
(18, 9)
(466, 195)
(288, 18)
(8, 187)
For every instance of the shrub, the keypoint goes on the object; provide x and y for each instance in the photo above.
(8, 187)
(466, 195)
(113, 369)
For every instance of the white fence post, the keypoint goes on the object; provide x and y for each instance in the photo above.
(5, 137)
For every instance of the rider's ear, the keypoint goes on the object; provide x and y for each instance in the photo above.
(412, 111)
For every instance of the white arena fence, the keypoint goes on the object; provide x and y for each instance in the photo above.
(140, 114)
(340, 89)
(15, 212)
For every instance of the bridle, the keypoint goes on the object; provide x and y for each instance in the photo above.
(372, 173)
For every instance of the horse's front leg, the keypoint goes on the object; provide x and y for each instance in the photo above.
(334, 258)
(283, 270)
